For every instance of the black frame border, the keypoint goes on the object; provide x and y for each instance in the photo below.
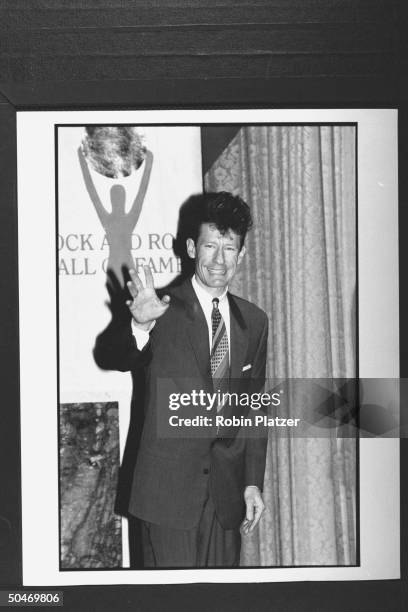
(99, 95)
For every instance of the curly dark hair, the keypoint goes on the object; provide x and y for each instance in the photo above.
(224, 210)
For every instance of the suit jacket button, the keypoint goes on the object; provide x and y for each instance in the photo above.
(206, 471)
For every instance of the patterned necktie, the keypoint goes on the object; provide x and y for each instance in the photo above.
(219, 350)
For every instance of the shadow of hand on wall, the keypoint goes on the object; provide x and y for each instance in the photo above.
(120, 322)
(107, 359)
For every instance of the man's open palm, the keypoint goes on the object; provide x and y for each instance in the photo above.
(145, 306)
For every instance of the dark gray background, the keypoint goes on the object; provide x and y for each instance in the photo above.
(173, 53)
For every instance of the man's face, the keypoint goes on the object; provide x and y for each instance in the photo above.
(216, 257)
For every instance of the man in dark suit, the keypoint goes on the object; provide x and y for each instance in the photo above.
(193, 494)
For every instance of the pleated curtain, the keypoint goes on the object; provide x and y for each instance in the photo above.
(300, 267)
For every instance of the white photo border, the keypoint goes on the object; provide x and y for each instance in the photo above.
(378, 333)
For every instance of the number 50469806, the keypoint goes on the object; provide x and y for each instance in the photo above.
(28, 598)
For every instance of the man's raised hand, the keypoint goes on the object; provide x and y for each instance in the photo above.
(145, 306)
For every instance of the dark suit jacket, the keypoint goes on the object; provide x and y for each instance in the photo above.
(172, 476)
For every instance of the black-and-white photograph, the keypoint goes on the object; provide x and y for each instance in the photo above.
(203, 207)
(252, 275)
(194, 262)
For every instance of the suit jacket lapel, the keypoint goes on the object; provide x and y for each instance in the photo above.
(197, 330)
(238, 338)
(239, 345)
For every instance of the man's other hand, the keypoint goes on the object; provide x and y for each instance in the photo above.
(254, 509)
(145, 306)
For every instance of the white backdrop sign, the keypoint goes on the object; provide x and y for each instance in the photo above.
(85, 245)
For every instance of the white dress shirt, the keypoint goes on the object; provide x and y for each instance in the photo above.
(206, 304)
